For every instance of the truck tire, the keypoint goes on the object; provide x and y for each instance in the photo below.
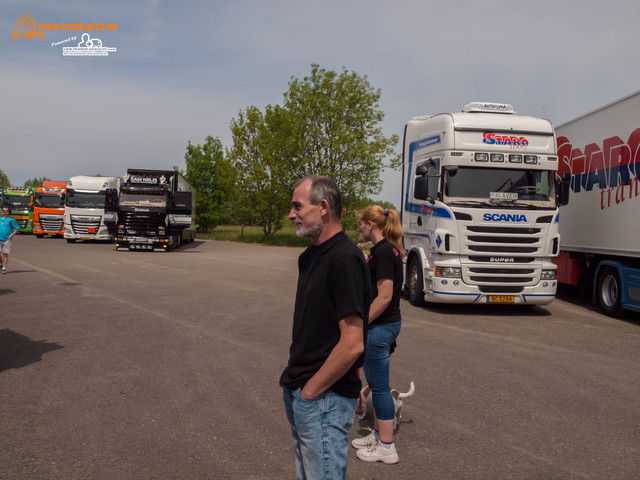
(609, 291)
(415, 283)
(71, 240)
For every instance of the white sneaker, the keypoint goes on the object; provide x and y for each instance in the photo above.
(379, 453)
(4, 270)
(365, 442)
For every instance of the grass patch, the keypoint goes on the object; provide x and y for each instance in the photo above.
(285, 237)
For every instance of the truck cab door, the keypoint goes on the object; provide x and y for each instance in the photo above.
(426, 191)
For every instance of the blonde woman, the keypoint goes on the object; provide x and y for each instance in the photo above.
(382, 227)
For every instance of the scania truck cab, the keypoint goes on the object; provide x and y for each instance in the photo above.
(90, 201)
(20, 201)
(48, 209)
(156, 210)
(479, 212)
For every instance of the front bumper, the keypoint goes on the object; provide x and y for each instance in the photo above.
(444, 290)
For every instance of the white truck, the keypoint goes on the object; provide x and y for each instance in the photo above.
(600, 227)
(480, 207)
(90, 200)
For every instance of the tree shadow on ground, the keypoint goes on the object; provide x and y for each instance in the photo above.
(17, 351)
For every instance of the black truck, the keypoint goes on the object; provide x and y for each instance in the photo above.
(156, 210)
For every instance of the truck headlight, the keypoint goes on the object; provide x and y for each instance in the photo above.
(548, 275)
(449, 272)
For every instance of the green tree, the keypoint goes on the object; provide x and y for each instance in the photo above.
(329, 124)
(207, 171)
(336, 120)
(262, 185)
(4, 180)
(351, 222)
(35, 182)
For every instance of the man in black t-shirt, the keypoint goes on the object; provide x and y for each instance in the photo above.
(320, 383)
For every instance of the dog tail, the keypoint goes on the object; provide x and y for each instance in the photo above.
(409, 393)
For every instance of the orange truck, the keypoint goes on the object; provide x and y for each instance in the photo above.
(48, 209)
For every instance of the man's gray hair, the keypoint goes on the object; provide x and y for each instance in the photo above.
(323, 187)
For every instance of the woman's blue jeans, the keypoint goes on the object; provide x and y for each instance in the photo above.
(376, 367)
(320, 430)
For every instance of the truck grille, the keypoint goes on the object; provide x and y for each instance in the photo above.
(500, 257)
(85, 225)
(51, 223)
(142, 224)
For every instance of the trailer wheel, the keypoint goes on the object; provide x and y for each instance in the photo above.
(415, 283)
(609, 292)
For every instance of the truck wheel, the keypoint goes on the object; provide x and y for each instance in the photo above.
(71, 240)
(609, 292)
(39, 235)
(415, 283)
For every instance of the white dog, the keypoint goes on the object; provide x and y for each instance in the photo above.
(366, 401)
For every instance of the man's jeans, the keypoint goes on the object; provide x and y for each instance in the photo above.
(320, 430)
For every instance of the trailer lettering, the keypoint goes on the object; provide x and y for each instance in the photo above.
(613, 168)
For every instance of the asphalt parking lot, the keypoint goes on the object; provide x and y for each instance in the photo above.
(132, 365)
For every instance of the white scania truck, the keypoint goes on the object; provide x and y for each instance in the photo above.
(480, 207)
(600, 228)
(89, 202)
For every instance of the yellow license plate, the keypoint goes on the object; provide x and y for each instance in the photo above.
(500, 299)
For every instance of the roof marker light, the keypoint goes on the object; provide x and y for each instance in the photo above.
(488, 107)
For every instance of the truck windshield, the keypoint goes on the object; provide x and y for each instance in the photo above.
(500, 185)
(16, 200)
(145, 199)
(85, 199)
(49, 200)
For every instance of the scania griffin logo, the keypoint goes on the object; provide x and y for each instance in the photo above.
(502, 259)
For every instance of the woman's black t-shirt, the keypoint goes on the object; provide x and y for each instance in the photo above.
(384, 261)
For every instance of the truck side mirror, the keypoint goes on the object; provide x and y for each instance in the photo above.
(111, 200)
(420, 188)
(564, 187)
(181, 202)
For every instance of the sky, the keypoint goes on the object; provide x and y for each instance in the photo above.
(182, 71)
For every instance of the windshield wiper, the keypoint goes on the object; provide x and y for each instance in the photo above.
(482, 203)
(505, 182)
(503, 201)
